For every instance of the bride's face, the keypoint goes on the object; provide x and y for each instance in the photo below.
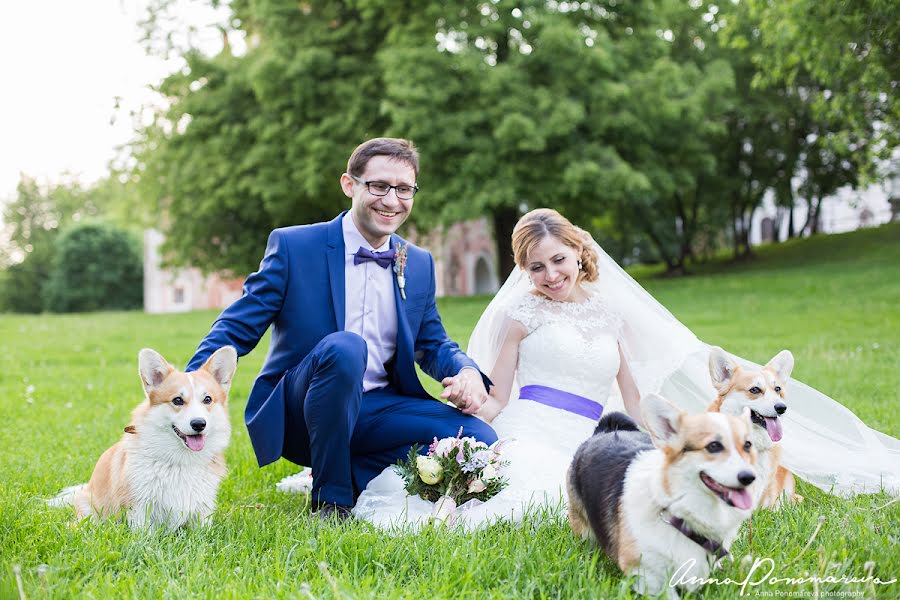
(553, 268)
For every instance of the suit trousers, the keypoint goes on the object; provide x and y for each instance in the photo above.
(347, 436)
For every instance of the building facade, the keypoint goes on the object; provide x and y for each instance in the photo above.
(181, 290)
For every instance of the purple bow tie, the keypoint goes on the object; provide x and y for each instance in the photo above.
(384, 259)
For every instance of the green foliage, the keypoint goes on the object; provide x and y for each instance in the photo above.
(654, 115)
(259, 141)
(265, 544)
(22, 285)
(95, 267)
(34, 221)
(851, 47)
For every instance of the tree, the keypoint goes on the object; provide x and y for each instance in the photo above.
(95, 267)
(258, 141)
(516, 105)
(23, 283)
(849, 46)
(642, 116)
(527, 104)
(33, 222)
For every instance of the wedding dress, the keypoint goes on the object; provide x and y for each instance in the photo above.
(570, 347)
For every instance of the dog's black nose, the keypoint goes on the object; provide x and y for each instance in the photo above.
(198, 425)
(780, 407)
(746, 477)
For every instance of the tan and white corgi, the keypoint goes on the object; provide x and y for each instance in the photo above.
(667, 503)
(763, 392)
(166, 469)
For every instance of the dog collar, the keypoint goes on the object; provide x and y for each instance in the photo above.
(711, 546)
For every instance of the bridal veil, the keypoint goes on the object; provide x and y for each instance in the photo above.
(824, 442)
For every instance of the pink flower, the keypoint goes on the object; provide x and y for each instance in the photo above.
(444, 510)
(443, 447)
(476, 487)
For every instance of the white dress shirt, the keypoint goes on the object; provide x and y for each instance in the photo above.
(370, 309)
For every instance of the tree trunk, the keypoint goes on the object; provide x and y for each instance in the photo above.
(776, 225)
(504, 221)
(672, 266)
(809, 216)
(790, 227)
(811, 227)
(817, 218)
(747, 249)
(735, 234)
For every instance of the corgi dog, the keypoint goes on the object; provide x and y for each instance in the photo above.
(666, 503)
(763, 392)
(166, 469)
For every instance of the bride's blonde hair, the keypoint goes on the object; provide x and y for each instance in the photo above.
(542, 222)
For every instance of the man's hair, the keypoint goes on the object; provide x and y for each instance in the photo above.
(395, 148)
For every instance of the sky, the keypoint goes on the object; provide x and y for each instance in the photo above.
(63, 65)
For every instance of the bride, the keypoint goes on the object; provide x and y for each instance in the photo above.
(570, 335)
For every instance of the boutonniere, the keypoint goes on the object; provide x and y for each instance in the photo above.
(400, 267)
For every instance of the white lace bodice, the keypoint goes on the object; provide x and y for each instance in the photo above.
(571, 346)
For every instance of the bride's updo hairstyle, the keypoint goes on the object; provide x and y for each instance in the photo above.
(542, 222)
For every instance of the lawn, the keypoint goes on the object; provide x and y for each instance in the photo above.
(68, 384)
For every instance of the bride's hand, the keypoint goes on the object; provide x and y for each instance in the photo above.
(466, 390)
(489, 410)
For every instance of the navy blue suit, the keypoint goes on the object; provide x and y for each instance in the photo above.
(307, 403)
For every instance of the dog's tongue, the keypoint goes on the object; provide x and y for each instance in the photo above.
(773, 427)
(740, 498)
(194, 442)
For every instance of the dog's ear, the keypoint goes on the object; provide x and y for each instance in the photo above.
(721, 368)
(782, 364)
(221, 365)
(153, 368)
(662, 418)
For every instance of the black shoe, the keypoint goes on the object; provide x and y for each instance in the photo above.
(336, 512)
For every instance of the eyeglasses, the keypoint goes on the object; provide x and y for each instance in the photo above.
(380, 188)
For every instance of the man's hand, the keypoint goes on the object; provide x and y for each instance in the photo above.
(465, 390)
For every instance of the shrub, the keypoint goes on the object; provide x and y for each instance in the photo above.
(22, 284)
(95, 267)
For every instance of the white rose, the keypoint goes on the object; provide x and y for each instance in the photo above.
(430, 470)
(489, 472)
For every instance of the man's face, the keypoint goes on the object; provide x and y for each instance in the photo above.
(377, 217)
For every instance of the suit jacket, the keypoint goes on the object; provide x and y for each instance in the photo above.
(299, 290)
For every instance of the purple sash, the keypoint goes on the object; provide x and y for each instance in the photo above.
(562, 400)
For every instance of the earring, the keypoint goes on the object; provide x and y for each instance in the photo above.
(579, 264)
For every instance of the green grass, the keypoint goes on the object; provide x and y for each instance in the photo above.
(834, 301)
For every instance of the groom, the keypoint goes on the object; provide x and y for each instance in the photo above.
(351, 305)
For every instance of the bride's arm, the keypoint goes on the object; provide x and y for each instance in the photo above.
(630, 394)
(504, 372)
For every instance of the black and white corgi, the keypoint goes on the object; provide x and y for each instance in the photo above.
(665, 502)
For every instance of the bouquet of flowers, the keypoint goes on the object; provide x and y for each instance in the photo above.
(455, 471)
